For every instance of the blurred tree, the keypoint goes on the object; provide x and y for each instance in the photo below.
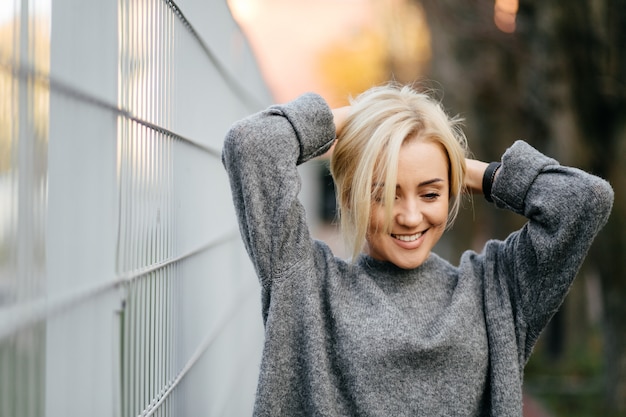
(554, 74)
(394, 45)
(352, 66)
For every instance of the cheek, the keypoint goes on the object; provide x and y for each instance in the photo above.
(377, 220)
(439, 213)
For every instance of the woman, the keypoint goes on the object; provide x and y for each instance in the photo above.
(397, 330)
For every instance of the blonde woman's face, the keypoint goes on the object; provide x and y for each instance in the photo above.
(420, 209)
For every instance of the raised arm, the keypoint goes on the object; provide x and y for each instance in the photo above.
(566, 208)
(260, 154)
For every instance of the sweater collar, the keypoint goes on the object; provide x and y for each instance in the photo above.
(385, 268)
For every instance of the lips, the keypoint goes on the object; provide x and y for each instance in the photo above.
(408, 238)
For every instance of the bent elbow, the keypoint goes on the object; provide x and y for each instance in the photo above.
(601, 201)
(236, 141)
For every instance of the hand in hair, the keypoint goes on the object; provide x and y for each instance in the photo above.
(340, 114)
(474, 175)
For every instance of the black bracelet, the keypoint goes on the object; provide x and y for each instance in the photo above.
(488, 177)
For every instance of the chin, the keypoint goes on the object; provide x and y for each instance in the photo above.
(410, 263)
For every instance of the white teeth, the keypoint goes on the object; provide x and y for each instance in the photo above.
(408, 238)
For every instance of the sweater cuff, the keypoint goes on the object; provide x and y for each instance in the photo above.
(313, 122)
(521, 164)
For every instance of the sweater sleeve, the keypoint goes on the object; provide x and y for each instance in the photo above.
(261, 154)
(565, 208)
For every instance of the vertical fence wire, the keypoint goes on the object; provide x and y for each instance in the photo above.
(24, 108)
(147, 208)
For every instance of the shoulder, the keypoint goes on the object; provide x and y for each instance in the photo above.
(316, 265)
(436, 263)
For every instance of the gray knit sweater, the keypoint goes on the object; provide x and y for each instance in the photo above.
(369, 339)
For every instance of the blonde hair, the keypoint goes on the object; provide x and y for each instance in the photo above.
(365, 158)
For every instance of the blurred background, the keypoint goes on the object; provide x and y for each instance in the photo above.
(551, 73)
(124, 289)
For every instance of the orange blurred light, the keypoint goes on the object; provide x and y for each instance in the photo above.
(504, 15)
(507, 6)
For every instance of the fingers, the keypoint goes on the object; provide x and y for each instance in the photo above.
(340, 115)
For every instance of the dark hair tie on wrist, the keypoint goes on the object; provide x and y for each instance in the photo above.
(488, 177)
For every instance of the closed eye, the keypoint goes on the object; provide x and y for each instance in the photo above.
(379, 199)
(431, 196)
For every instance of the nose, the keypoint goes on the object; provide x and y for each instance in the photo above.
(408, 212)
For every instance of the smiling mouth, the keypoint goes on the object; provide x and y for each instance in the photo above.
(408, 238)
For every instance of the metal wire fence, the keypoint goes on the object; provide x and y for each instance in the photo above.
(124, 288)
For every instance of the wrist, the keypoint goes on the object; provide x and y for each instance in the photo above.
(474, 171)
(340, 115)
(488, 177)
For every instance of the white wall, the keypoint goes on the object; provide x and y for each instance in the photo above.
(124, 287)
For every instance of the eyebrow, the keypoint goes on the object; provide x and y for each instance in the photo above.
(429, 182)
(421, 184)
